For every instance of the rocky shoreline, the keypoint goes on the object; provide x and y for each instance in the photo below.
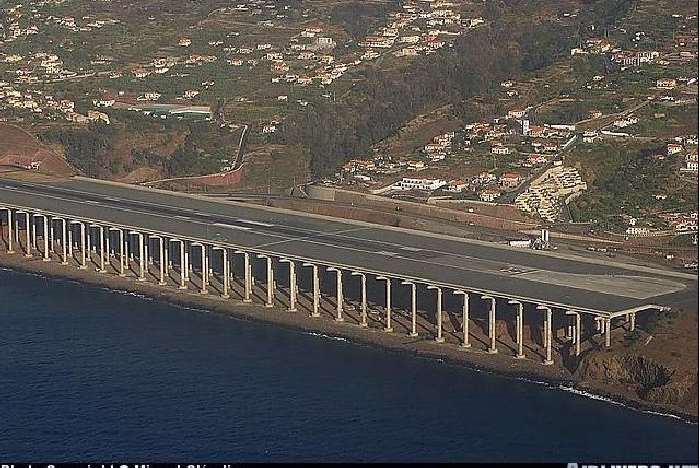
(555, 376)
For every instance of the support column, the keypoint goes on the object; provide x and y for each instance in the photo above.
(414, 312)
(186, 256)
(465, 318)
(633, 320)
(270, 278)
(338, 293)
(607, 325)
(518, 328)
(102, 248)
(121, 253)
(205, 268)
(166, 256)
(28, 249)
(576, 339)
(45, 226)
(142, 269)
(363, 297)
(316, 290)
(64, 242)
(548, 361)
(492, 325)
(83, 258)
(247, 280)
(10, 231)
(108, 247)
(33, 237)
(88, 243)
(227, 271)
(161, 261)
(183, 265)
(292, 284)
(388, 327)
(438, 314)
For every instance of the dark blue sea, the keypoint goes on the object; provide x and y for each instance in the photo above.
(91, 374)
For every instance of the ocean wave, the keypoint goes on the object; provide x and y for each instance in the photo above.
(602, 398)
(330, 337)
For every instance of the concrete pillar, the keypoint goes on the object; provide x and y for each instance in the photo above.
(518, 329)
(88, 242)
(548, 361)
(28, 249)
(607, 325)
(121, 253)
(388, 327)
(227, 271)
(102, 248)
(270, 278)
(166, 256)
(576, 338)
(414, 312)
(161, 261)
(83, 258)
(64, 242)
(633, 319)
(338, 293)
(108, 247)
(45, 226)
(438, 314)
(33, 236)
(316, 290)
(183, 265)
(247, 279)
(492, 325)
(142, 267)
(465, 319)
(363, 297)
(205, 268)
(292, 284)
(10, 231)
(186, 256)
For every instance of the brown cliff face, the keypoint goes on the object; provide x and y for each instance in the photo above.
(640, 378)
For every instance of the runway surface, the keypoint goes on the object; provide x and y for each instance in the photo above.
(576, 283)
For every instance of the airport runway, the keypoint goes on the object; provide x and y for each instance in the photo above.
(577, 283)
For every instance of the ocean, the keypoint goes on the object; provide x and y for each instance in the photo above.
(89, 374)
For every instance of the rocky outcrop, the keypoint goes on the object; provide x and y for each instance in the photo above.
(651, 381)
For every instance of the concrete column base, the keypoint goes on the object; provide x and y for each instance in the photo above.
(388, 329)
(465, 346)
(28, 255)
(492, 351)
(141, 280)
(82, 267)
(269, 305)
(439, 340)
(292, 309)
(547, 362)
(203, 292)
(179, 287)
(247, 300)
(162, 283)
(339, 319)
(225, 296)
(45, 259)
(10, 251)
(413, 335)
(519, 356)
(315, 315)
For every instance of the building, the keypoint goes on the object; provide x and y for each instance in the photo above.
(666, 83)
(500, 150)
(456, 185)
(510, 180)
(490, 195)
(419, 184)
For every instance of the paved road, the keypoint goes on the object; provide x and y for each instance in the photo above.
(573, 282)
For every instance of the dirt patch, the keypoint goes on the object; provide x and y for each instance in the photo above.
(20, 149)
